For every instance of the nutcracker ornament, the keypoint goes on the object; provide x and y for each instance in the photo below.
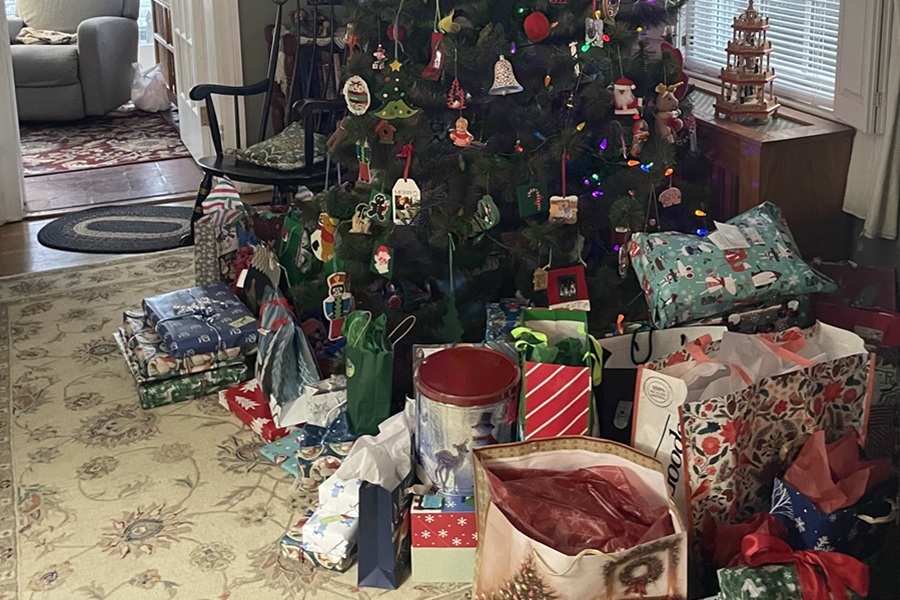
(337, 305)
(624, 99)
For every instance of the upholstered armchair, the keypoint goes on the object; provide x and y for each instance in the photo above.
(68, 82)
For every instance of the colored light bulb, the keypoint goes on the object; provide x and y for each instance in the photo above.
(633, 163)
(645, 168)
(669, 171)
(580, 126)
(702, 231)
(606, 38)
(587, 181)
(596, 193)
(699, 213)
(603, 144)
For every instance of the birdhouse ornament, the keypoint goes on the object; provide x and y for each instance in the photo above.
(505, 81)
(624, 99)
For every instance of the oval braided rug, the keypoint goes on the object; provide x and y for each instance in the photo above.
(118, 229)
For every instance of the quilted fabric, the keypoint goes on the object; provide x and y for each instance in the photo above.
(283, 151)
(686, 277)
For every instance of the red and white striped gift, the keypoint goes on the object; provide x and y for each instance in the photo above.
(557, 400)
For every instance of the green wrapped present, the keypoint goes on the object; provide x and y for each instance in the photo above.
(153, 394)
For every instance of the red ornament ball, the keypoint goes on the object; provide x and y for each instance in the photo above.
(401, 32)
(537, 26)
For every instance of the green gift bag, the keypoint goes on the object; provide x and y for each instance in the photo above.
(295, 253)
(370, 370)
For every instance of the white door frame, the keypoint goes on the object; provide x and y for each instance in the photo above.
(12, 181)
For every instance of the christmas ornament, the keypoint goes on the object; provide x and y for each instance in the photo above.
(675, 53)
(396, 65)
(396, 109)
(361, 223)
(396, 33)
(486, 216)
(564, 209)
(380, 59)
(460, 135)
(357, 96)
(456, 99)
(610, 9)
(379, 206)
(383, 261)
(593, 32)
(567, 289)
(532, 199)
(624, 99)
(406, 193)
(322, 240)
(670, 197)
(351, 39)
(641, 133)
(667, 113)
(504, 79)
(447, 25)
(537, 27)
(526, 583)
(519, 147)
(539, 279)
(748, 72)
(385, 132)
(433, 70)
(364, 156)
(337, 305)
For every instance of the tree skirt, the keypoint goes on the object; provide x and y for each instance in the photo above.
(113, 140)
(102, 499)
(118, 229)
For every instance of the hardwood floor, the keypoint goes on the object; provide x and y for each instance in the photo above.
(172, 179)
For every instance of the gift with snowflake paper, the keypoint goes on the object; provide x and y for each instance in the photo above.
(444, 538)
(247, 402)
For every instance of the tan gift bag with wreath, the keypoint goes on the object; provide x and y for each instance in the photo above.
(575, 518)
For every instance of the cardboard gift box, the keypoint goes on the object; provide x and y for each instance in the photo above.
(310, 465)
(444, 539)
(292, 548)
(161, 392)
(200, 320)
(153, 358)
(248, 404)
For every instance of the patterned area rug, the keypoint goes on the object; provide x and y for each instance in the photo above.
(102, 500)
(119, 139)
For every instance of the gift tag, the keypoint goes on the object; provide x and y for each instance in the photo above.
(532, 199)
(406, 200)
(383, 261)
(357, 95)
(564, 209)
(567, 288)
(379, 206)
(670, 197)
(539, 279)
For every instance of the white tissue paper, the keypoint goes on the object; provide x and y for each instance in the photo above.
(331, 534)
(385, 459)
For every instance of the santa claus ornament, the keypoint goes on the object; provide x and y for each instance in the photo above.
(357, 96)
(624, 99)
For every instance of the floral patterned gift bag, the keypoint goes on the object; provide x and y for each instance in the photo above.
(735, 444)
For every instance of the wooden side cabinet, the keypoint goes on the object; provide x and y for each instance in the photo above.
(796, 161)
(162, 40)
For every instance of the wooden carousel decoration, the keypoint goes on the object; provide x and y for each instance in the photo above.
(748, 78)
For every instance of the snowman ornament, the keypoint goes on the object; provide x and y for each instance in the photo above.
(624, 99)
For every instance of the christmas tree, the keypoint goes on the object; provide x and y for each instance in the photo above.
(492, 140)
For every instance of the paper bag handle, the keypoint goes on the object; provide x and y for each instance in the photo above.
(547, 569)
(888, 518)
(411, 321)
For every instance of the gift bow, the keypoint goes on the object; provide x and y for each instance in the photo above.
(822, 575)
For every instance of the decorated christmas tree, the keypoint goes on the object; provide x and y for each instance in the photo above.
(490, 142)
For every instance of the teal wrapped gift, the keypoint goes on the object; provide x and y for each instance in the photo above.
(311, 465)
(155, 393)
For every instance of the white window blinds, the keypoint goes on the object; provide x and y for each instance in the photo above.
(804, 35)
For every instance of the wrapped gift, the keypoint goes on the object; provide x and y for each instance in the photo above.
(160, 392)
(330, 534)
(153, 358)
(200, 320)
(776, 572)
(292, 549)
(502, 318)
(310, 465)
(444, 538)
(766, 318)
(340, 496)
(248, 404)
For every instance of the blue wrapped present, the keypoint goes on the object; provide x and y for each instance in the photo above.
(201, 320)
(858, 530)
(314, 453)
(502, 318)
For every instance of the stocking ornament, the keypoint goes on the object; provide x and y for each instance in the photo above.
(436, 64)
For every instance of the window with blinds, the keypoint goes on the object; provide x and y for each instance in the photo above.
(804, 35)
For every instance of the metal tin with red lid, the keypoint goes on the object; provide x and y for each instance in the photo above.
(467, 397)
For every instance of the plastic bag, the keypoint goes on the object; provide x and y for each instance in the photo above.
(570, 511)
(148, 89)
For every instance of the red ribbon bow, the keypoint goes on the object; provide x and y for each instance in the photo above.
(822, 575)
(406, 151)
